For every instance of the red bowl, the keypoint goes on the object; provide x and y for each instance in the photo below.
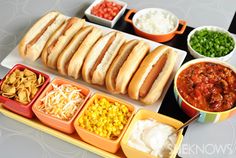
(17, 107)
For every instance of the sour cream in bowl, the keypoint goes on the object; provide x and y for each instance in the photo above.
(149, 136)
(152, 137)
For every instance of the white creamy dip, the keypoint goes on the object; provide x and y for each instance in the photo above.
(151, 137)
(156, 22)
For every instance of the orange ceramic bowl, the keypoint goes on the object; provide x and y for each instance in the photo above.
(96, 140)
(142, 114)
(156, 37)
(56, 123)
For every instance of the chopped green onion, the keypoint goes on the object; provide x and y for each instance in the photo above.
(212, 43)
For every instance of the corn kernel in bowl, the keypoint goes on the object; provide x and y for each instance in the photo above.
(105, 118)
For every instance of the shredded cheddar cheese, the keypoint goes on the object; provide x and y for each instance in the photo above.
(62, 102)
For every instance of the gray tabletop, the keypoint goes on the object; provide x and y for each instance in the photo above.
(18, 140)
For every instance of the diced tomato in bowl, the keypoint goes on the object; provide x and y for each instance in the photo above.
(106, 9)
(106, 12)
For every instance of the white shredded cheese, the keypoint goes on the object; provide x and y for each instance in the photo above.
(62, 102)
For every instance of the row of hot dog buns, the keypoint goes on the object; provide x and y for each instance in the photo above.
(76, 49)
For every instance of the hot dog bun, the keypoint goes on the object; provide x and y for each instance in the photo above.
(68, 52)
(100, 57)
(101, 70)
(159, 63)
(77, 60)
(33, 42)
(70, 47)
(130, 65)
(112, 72)
(59, 40)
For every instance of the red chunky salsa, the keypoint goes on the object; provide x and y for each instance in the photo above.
(208, 86)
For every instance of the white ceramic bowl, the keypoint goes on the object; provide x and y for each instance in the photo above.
(102, 21)
(195, 54)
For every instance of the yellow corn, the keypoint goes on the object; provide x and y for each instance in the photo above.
(105, 118)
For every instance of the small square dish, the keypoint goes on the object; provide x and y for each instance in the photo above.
(103, 121)
(105, 12)
(60, 103)
(20, 88)
(150, 135)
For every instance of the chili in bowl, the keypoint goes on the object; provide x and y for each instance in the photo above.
(208, 87)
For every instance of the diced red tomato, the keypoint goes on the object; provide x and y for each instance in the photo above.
(106, 9)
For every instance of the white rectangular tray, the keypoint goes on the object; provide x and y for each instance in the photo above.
(13, 58)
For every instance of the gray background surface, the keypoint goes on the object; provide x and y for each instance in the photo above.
(18, 140)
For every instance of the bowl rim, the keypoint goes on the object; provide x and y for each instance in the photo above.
(40, 90)
(140, 12)
(199, 60)
(95, 2)
(216, 28)
(35, 109)
(88, 103)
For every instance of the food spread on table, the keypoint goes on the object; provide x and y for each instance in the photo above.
(153, 137)
(21, 85)
(62, 101)
(208, 86)
(122, 66)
